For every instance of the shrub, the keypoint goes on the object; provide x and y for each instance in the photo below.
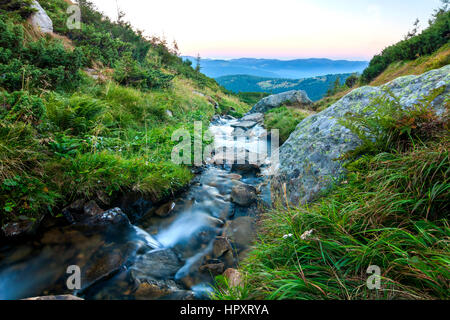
(20, 7)
(41, 64)
(21, 106)
(129, 72)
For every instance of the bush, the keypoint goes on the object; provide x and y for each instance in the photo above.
(19, 7)
(129, 72)
(21, 106)
(351, 81)
(41, 64)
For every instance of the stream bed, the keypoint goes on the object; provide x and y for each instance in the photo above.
(173, 251)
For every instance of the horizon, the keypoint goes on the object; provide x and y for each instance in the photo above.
(260, 30)
(280, 59)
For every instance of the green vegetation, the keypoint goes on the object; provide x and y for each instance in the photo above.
(285, 120)
(414, 46)
(19, 8)
(65, 134)
(252, 98)
(390, 212)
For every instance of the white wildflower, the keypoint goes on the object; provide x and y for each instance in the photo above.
(307, 234)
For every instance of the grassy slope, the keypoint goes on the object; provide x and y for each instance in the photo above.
(390, 212)
(98, 138)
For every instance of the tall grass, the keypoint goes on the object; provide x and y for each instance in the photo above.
(392, 212)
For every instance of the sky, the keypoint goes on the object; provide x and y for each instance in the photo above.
(282, 29)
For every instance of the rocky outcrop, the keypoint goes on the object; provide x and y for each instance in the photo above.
(294, 98)
(308, 162)
(40, 20)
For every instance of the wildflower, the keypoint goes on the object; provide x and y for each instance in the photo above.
(307, 234)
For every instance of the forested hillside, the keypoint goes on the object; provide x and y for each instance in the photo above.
(89, 113)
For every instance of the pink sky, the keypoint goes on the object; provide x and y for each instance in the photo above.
(286, 29)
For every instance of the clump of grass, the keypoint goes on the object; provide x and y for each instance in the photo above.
(285, 120)
(390, 212)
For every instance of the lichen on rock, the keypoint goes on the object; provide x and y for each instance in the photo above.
(308, 159)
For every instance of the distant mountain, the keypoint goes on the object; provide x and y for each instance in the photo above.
(272, 68)
(315, 87)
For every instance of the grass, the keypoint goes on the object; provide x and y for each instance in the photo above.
(285, 120)
(102, 138)
(416, 67)
(391, 211)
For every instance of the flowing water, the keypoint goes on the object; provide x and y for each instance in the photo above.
(173, 252)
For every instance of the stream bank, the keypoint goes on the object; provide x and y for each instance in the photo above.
(173, 251)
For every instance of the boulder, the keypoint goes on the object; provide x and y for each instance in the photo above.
(221, 245)
(308, 162)
(294, 98)
(40, 20)
(244, 124)
(214, 268)
(161, 289)
(243, 194)
(156, 264)
(165, 209)
(241, 232)
(111, 218)
(254, 117)
(18, 229)
(92, 209)
(246, 168)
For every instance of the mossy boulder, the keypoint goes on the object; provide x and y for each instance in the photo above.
(308, 159)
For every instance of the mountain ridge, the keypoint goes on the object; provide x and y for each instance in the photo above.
(275, 68)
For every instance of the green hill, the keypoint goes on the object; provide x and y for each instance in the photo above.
(90, 113)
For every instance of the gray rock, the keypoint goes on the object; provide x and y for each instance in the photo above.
(244, 124)
(213, 268)
(165, 209)
(241, 232)
(243, 194)
(160, 289)
(40, 20)
(221, 246)
(111, 218)
(17, 229)
(157, 264)
(308, 162)
(255, 117)
(92, 209)
(294, 98)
